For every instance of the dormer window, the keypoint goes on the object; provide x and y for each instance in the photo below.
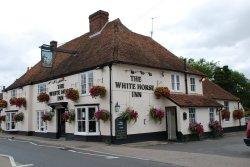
(192, 84)
(175, 82)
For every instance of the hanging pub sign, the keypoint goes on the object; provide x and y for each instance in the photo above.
(46, 56)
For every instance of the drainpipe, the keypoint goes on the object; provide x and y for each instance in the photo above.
(110, 103)
(185, 73)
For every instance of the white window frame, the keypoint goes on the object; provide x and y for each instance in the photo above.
(175, 82)
(192, 115)
(10, 121)
(192, 84)
(13, 93)
(41, 88)
(86, 82)
(86, 133)
(41, 126)
(211, 114)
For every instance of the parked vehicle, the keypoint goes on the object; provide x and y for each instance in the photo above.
(247, 139)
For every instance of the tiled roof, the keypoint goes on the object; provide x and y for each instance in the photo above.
(115, 44)
(185, 100)
(214, 91)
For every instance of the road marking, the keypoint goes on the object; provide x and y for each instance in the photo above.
(99, 155)
(13, 163)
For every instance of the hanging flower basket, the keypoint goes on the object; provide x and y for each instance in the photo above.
(2, 118)
(225, 114)
(196, 129)
(98, 91)
(102, 115)
(72, 94)
(129, 115)
(216, 129)
(162, 92)
(3, 104)
(19, 117)
(48, 116)
(43, 97)
(156, 114)
(68, 116)
(13, 101)
(238, 114)
(21, 102)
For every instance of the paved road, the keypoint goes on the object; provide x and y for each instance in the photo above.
(231, 145)
(43, 156)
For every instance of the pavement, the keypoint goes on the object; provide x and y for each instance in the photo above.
(228, 151)
(4, 161)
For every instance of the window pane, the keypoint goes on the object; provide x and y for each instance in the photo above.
(90, 80)
(81, 126)
(83, 83)
(173, 82)
(91, 113)
(92, 126)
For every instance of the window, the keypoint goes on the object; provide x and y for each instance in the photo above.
(41, 88)
(41, 125)
(13, 93)
(86, 122)
(175, 82)
(10, 123)
(226, 106)
(211, 114)
(86, 82)
(192, 84)
(192, 115)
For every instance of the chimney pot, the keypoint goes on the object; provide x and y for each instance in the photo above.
(53, 44)
(97, 20)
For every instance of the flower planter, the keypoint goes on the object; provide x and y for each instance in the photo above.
(129, 115)
(156, 114)
(96, 91)
(3, 104)
(18, 117)
(225, 114)
(43, 97)
(162, 92)
(102, 115)
(196, 129)
(72, 94)
(69, 116)
(216, 129)
(48, 116)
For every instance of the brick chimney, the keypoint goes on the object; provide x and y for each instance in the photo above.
(53, 44)
(97, 20)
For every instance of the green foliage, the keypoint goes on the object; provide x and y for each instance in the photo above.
(230, 80)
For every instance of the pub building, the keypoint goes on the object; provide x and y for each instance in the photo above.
(113, 85)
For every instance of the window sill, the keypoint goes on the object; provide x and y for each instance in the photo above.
(12, 130)
(87, 134)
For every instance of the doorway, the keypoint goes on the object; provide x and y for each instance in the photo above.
(60, 123)
(171, 123)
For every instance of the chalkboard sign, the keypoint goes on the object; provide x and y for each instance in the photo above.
(120, 128)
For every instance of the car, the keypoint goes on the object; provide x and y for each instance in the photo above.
(247, 139)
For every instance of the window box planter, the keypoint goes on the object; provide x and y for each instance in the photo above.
(43, 97)
(102, 115)
(3, 104)
(162, 92)
(72, 94)
(96, 91)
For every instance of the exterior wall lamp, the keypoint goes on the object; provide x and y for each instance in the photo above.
(117, 107)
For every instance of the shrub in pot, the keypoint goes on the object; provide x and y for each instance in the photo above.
(69, 116)
(72, 94)
(19, 117)
(196, 130)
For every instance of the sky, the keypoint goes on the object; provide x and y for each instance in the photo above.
(215, 30)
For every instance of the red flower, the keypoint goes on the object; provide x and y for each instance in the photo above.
(162, 92)
(225, 114)
(196, 128)
(13, 101)
(129, 115)
(102, 115)
(72, 94)
(21, 102)
(2, 118)
(156, 114)
(238, 114)
(97, 91)
(3, 103)
(43, 97)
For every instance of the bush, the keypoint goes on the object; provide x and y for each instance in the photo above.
(216, 128)
(196, 129)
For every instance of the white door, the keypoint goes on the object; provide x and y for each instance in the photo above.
(171, 123)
